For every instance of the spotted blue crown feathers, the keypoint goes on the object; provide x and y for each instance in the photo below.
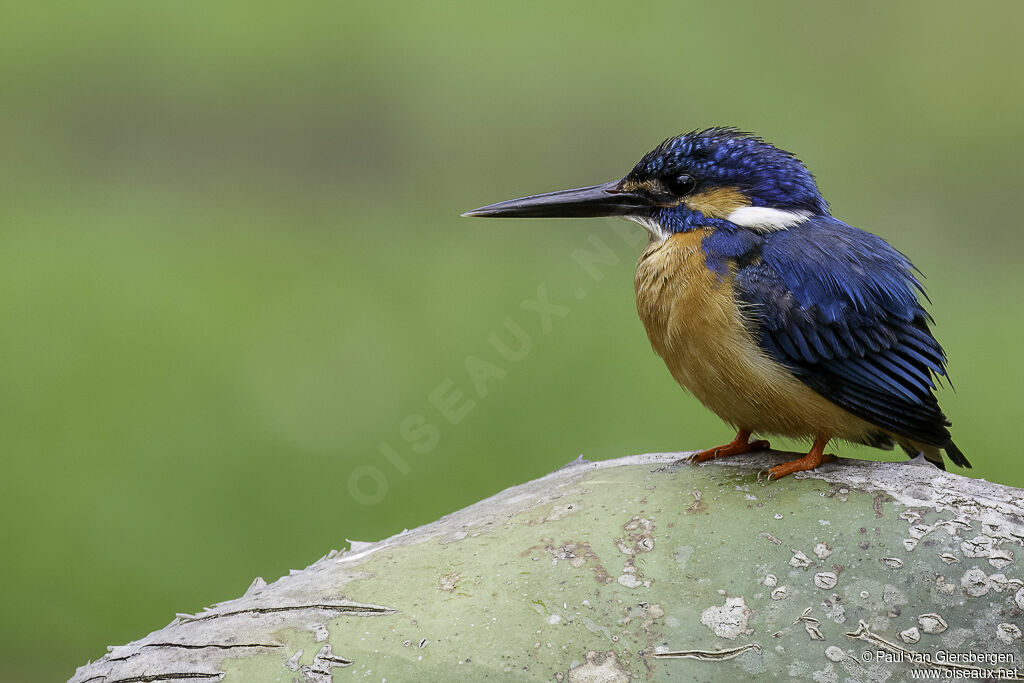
(721, 156)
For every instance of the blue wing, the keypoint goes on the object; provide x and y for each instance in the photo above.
(838, 306)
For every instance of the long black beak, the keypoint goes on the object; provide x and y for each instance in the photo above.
(583, 202)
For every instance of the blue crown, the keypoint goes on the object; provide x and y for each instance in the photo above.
(727, 157)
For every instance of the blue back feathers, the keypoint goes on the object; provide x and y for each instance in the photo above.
(838, 306)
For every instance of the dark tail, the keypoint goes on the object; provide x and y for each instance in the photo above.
(956, 455)
(934, 454)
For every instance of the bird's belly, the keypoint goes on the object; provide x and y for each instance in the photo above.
(694, 324)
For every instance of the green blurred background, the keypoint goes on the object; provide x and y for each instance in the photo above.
(233, 264)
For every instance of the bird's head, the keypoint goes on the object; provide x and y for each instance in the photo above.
(717, 177)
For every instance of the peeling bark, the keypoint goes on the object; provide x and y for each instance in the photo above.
(639, 568)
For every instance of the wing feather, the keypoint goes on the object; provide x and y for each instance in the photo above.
(839, 307)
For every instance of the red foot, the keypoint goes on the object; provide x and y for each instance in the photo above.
(738, 446)
(808, 462)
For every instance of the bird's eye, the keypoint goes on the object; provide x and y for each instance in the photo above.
(680, 185)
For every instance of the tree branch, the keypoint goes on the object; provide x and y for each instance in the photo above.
(637, 568)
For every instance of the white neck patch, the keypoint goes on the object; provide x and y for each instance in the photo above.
(651, 226)
(766, 219)
(761, 218)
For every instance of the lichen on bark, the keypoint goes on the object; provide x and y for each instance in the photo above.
(636, 568)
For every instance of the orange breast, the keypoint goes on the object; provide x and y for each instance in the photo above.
(694, 324)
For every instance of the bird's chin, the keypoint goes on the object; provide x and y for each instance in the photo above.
(653, 227)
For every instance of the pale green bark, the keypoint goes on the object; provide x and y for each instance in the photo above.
(636, 568)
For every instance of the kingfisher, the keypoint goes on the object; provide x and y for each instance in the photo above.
(780, 318)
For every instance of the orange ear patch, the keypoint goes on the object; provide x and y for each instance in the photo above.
(717, 202)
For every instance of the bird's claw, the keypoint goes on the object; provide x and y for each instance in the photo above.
(737, 446)
(804, 464)
(692, 458)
